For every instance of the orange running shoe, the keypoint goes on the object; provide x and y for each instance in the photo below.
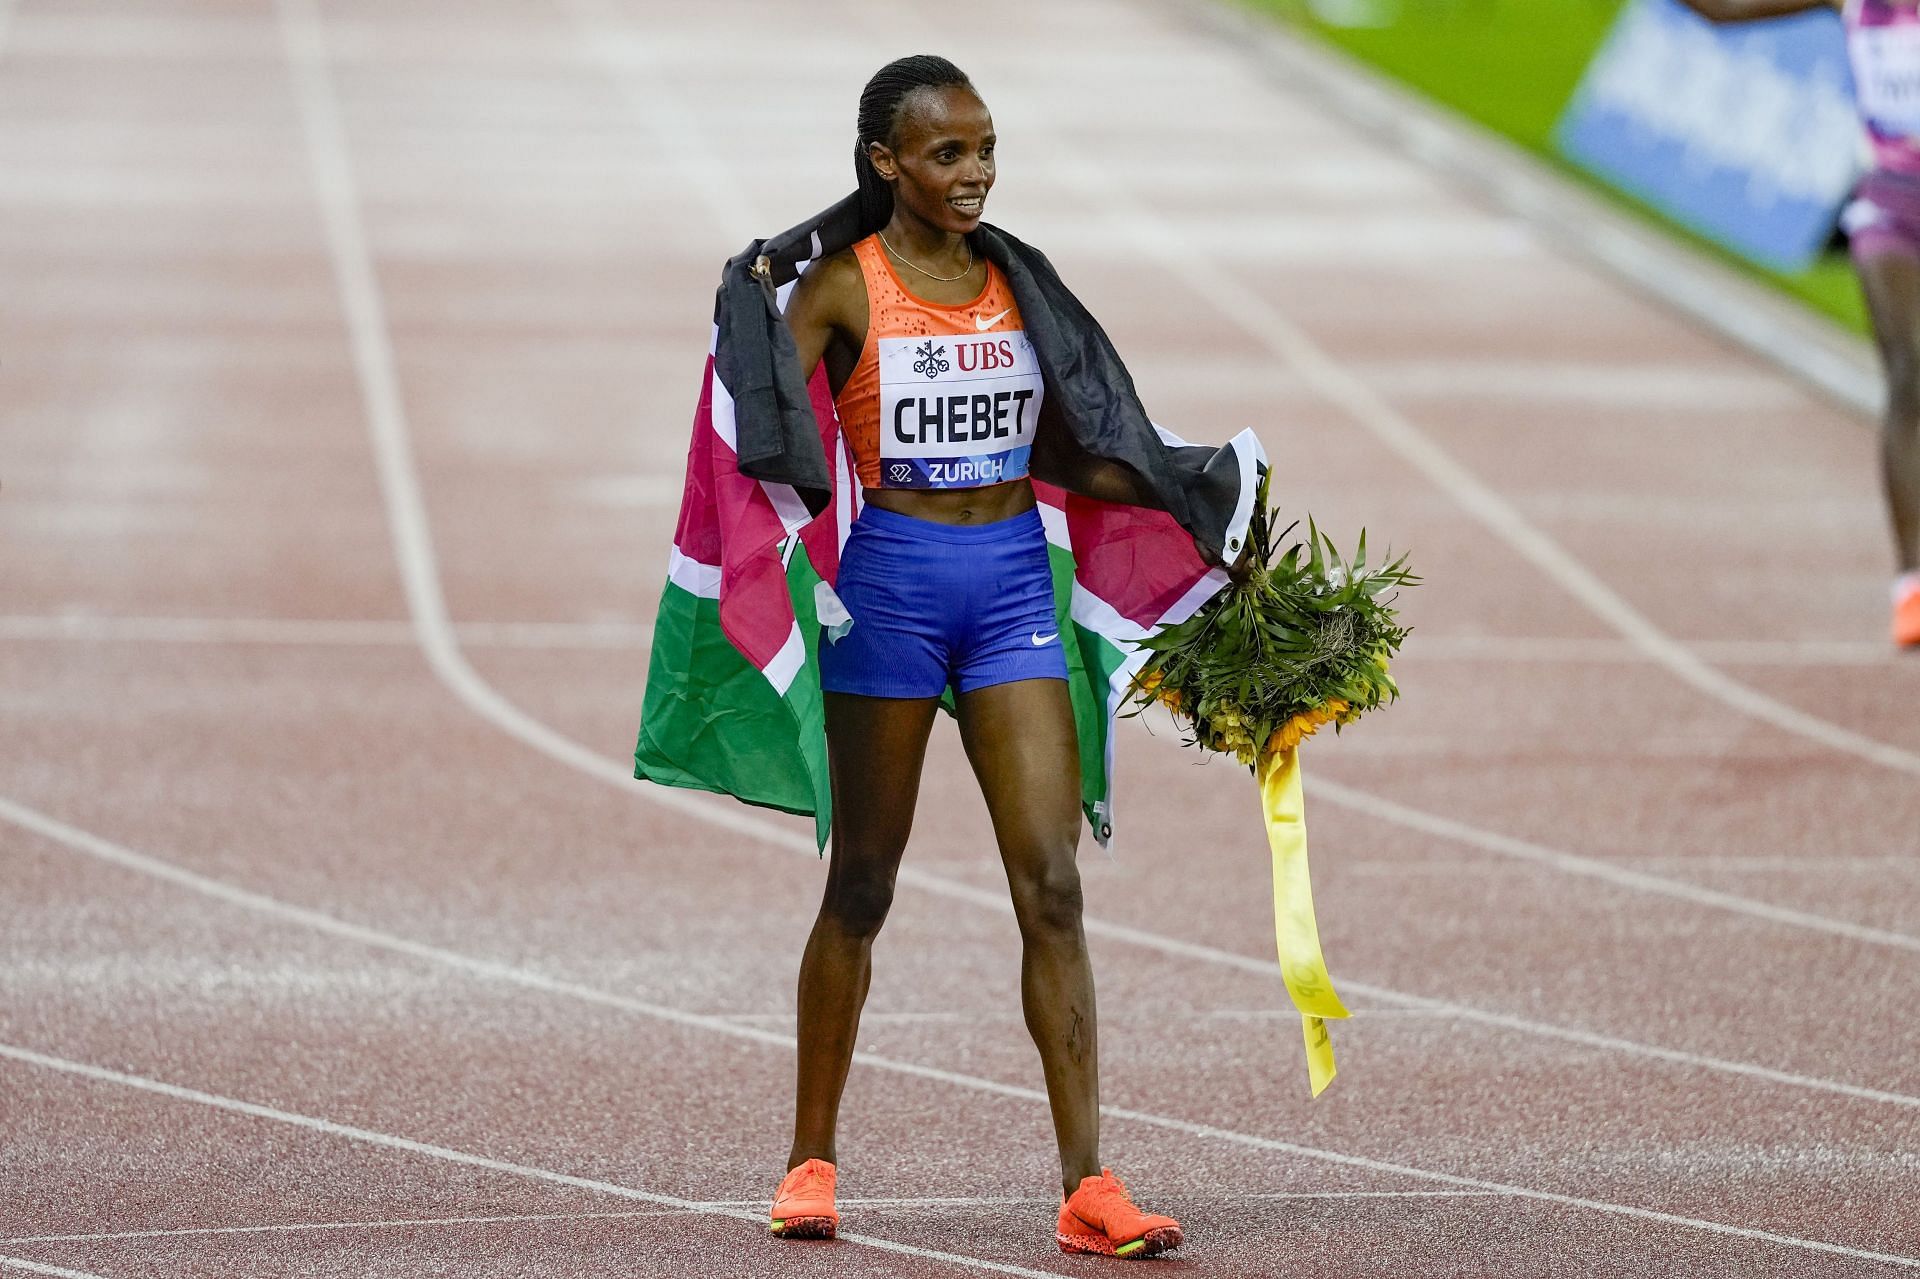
(803, 1206)
(1906, 618)
(1100, 1218)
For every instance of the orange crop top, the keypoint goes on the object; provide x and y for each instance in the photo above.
(943, 395)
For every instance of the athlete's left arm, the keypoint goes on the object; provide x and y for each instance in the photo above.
(1058, 459)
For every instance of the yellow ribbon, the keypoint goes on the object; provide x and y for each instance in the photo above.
(1302, 965)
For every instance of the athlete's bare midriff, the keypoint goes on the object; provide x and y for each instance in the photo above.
(957, 506)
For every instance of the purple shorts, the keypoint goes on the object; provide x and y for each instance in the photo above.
(939, 605)
(1884, 215)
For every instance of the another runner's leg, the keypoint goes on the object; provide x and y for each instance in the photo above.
(1890, 275)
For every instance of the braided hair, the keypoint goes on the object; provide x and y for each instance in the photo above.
(880, 104)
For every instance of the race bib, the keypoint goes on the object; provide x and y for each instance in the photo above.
(1886, 73)
(957, 411)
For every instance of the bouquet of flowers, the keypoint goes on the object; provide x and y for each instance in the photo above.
(1297, 640)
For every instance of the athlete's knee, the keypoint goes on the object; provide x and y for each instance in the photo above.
(858, 904)
(1048, 900)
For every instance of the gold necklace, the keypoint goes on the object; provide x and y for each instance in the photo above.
(944, 279)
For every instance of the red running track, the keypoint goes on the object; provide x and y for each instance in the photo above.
(348, 352)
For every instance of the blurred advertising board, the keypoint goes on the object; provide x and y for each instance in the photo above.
(1745, 133)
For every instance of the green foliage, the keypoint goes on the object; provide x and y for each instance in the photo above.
(1301, 636)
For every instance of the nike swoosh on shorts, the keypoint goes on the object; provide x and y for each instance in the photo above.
(1039, 639)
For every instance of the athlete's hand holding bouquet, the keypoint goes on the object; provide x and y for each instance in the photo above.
(1300, 638)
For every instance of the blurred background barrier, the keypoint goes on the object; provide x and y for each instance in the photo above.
(1534, 71)
(1746, 134)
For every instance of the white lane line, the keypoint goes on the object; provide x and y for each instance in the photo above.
(295, 1227)
(41, 1267)
(1761, 652)
(528, 979)
(1118, 1017)
(367, 1136)
(1205, 1131)
(318, 632)
(1711, 863)
(844, 1201)
(1156, 238)
(413, 549)
(1212, 1197)
(1596, 868)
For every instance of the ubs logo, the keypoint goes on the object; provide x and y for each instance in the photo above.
(932, 361)
(899, 472)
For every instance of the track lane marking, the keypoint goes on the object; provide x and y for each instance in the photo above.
(41, 1267)
(528, 979)
(296, 1227)
(1371, 805)
(319, 632)
(367, 1136)
(844, 1201)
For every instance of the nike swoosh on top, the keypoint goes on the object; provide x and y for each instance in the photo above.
(1039, 639)
(981, 326)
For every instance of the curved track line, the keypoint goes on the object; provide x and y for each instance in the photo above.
(414, 552)
(37, 1267)
(528, 979)
(367, 1136)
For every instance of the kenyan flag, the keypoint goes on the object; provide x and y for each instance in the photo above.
(733, 688)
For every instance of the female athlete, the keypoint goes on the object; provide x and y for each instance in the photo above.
(1883, 44)
(946, 574)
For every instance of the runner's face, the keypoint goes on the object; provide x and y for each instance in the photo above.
(942, 157)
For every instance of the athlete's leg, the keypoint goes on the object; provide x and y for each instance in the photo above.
(875, 746)
(1890, 275)
(1020, 739)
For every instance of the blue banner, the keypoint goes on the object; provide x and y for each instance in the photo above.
(1745, 133)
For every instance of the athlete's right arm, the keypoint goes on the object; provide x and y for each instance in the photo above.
(1753, 10)
(829, 302)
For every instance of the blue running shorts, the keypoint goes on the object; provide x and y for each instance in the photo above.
(935, 605)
